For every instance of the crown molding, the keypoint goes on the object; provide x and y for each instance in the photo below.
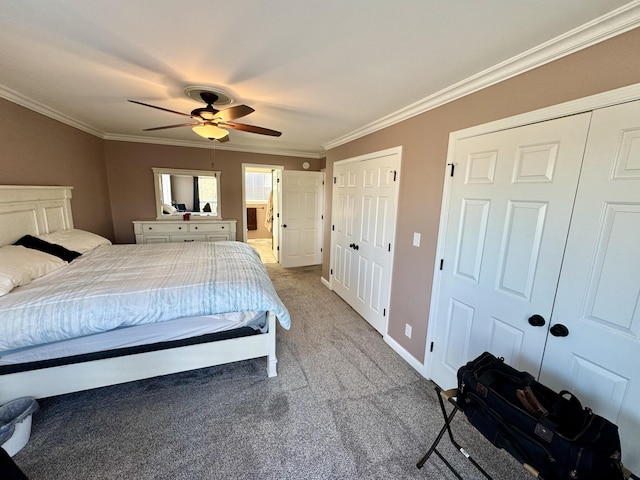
(216, 145)
(607, 26)
(18, 98)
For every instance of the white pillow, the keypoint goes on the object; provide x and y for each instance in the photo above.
(166, 208)
(20, 265)
(76, 240)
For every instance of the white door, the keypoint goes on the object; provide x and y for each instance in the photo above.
(599, 290)
(276, 201)
(364, 219)
(301, 221)
(345, 204)
(510, 207)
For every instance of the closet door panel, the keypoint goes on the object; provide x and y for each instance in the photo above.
(376, 227)
(345, 222)
(520, 249)
(509, 212)
(598, 297)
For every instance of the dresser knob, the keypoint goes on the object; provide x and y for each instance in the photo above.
(222, 227)
(196, 228)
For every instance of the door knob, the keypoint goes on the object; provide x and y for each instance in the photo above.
(536, 320)
(559, 330)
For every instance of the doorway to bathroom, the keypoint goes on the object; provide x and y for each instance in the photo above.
(262, 205)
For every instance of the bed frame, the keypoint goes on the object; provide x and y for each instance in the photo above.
(39, 210)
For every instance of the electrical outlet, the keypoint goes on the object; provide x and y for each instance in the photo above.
(416, 239)
(407, 330)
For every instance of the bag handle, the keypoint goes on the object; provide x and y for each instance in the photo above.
(573, 404)
(489, 377)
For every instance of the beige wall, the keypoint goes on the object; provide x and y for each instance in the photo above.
(131, 179)
(36, 150)
(424, 138)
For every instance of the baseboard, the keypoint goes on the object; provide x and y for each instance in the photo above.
(406, 356)
(326, 283)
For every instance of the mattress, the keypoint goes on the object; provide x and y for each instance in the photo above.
(118, 286)
(141, 335)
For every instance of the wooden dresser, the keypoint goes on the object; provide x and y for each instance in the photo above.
(164, 231)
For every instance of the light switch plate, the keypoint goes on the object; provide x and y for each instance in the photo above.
(407, 330)
(416, 239)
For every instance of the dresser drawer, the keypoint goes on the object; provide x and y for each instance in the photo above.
(187, 238)
(148, 228)
(209, 227)
(217, 237)
(155, 239)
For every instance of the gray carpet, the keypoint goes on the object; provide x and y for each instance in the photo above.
(344, 406)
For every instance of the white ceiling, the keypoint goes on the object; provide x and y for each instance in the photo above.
(317, 70)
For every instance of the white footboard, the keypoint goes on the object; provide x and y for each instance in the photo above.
(47, 382)
(272, 360)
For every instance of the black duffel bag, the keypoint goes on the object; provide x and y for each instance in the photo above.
(549, 431)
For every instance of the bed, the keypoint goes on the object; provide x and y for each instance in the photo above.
(118, 313)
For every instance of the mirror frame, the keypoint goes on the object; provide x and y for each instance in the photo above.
(157, 179)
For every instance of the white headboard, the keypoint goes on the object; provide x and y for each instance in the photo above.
(33, 210)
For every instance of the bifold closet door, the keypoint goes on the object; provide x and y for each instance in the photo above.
(363, 229)
(510, 206)
(593, 348)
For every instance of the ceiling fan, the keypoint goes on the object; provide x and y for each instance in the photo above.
(212, 123)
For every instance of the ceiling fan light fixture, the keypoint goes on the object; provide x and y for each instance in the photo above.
(208, 119)
(210, 131)
(207, 115)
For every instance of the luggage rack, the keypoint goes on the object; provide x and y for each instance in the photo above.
(451, 396)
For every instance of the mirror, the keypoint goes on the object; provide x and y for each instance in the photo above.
(186, 191)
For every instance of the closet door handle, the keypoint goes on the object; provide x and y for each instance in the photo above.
(559, 330)
(356, 247)
(536, 320)
(352, 245)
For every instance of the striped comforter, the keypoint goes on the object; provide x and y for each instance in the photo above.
(124, 285)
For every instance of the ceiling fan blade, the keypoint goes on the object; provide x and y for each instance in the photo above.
(251, 129)
(160, 108)
(172, 126)
(232, 113)
(224, 139)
